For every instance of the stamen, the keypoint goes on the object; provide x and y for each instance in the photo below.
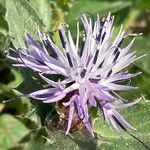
(69, 59)
(99, 105)
(119, 44)
(82, 113)
(52, 50)
(62, 38)
(109, 73)
(103, 37)
(83, 72)
(95, 57)
(94, 80)
(42, 63)
(99, 35)
(75, 105)
(118, 122)
(82, 47)
(116, 50)
(102, 23)
(116, 56)
(100, 65)
(100, 31)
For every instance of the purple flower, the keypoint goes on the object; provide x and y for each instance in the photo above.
(93, 72)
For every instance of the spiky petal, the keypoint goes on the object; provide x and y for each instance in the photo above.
(92, 72)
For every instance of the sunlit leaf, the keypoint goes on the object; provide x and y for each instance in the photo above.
(11, 131)
(43, 9)
(139, 117)
(21, 18)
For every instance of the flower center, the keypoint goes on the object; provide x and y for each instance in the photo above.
(78, 74)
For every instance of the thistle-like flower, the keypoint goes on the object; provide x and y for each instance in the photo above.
(93, 72)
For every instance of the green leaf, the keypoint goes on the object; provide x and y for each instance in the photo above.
(131, 16)
(2, 7)
(18, 78)
(76, 141)
(3, 25)
(30, 81)
(93, 7)
(141, 4)
(139, 117)
(83, 6)
(21, 18)
(142, 81)
(142, 46)
(11, 131)
(30, 84)
(136, 9)
(43, 9)
(4, 42)
(58, 140)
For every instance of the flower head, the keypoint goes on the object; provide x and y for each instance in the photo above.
(92, 71)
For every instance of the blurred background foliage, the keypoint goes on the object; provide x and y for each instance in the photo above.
(22, 122)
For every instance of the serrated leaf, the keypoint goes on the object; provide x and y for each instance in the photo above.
(43, 9)
(139, 117)
(11, 131)
(58, 140)
(76, 141)
(21, 18)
